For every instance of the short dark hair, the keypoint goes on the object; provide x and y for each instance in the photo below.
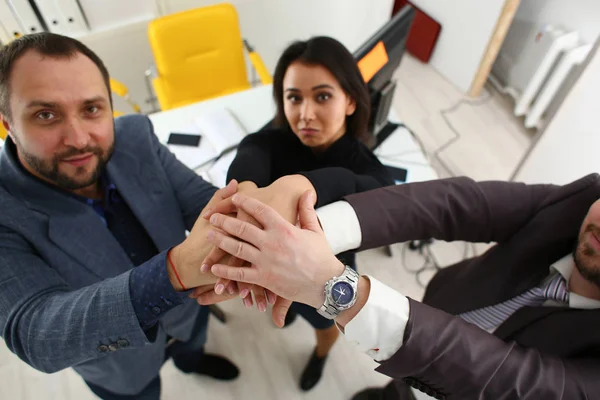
(331, 54)
(47, 44)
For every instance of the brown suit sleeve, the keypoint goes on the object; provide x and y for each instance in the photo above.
(457, 360)
(446, 209)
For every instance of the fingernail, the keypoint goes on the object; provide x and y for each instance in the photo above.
(271, 298)
(219, 289)
(213, 219)
(262, 307)
(207, 213)
(231, 290)
(211, 234)
(204, 268)
(247, 303)
(244, 293)
(235, 198)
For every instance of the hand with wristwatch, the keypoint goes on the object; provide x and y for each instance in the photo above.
(294, 262)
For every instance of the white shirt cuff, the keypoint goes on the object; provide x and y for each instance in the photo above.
(378, 329)
(341, 226)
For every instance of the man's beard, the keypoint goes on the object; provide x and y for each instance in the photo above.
(50, 170)
(587, 259)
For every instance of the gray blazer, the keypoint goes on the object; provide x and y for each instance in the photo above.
(64, 279)
(538, 352)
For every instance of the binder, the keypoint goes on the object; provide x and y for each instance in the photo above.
(4, 35)
(9, 22)
(25, 16)
(74, 17)
(62, 16)
(52, 15)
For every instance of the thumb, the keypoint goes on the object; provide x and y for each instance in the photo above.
(229, 190)
(306, 212)
(280, 310)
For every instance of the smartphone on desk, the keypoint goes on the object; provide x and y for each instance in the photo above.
(184, 139)
(398, 174)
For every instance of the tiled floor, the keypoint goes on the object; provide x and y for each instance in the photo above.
(491, 143)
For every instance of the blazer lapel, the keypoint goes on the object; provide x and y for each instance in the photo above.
(83, 235)
(524, 317)
(148, 198)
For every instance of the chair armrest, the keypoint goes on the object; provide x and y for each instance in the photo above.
(121, 90)
(149, 75)
(118, 88)
(258, 64)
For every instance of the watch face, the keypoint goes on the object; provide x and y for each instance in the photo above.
(342, 293)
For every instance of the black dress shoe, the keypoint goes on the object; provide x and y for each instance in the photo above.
(395, 390)
(370, 394)
(290, 317)
(312, 372)
(211, 365)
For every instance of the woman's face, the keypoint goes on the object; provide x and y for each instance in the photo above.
(315, 105)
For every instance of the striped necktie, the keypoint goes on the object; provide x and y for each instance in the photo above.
(491, 317)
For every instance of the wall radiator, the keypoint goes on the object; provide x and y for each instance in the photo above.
(534, 66)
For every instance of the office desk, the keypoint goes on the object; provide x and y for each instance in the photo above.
(401, 150)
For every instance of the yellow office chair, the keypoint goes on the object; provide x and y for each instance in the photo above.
(121, 90)
(199, 54)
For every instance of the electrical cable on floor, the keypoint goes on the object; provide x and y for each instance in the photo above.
(423, 247)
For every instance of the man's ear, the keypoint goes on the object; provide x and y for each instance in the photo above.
(5, 124)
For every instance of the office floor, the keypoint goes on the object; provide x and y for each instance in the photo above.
(491, 143)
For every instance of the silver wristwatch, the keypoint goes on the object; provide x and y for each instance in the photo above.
(340, 293)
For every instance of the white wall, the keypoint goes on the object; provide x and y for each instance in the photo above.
(580, 15)
(467, 26)
(568, 148)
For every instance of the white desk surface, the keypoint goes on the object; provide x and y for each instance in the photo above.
(255, 107)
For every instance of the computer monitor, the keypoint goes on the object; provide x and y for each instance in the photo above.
(377, 59)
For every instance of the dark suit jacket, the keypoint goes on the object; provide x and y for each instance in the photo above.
(539, 352)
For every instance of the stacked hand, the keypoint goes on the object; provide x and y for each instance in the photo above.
(188, 256)
(266, 241)
(283, 195)
(293, 262)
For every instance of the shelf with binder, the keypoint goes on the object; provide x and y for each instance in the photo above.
(64, 17)
(25, 15)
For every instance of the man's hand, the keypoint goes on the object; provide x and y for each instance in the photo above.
(187, 257)
(294, 263)
(245, 290)
(283, 196)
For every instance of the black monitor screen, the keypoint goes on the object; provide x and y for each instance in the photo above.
(389, 42)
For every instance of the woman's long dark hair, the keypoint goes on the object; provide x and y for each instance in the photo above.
(331, 54)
